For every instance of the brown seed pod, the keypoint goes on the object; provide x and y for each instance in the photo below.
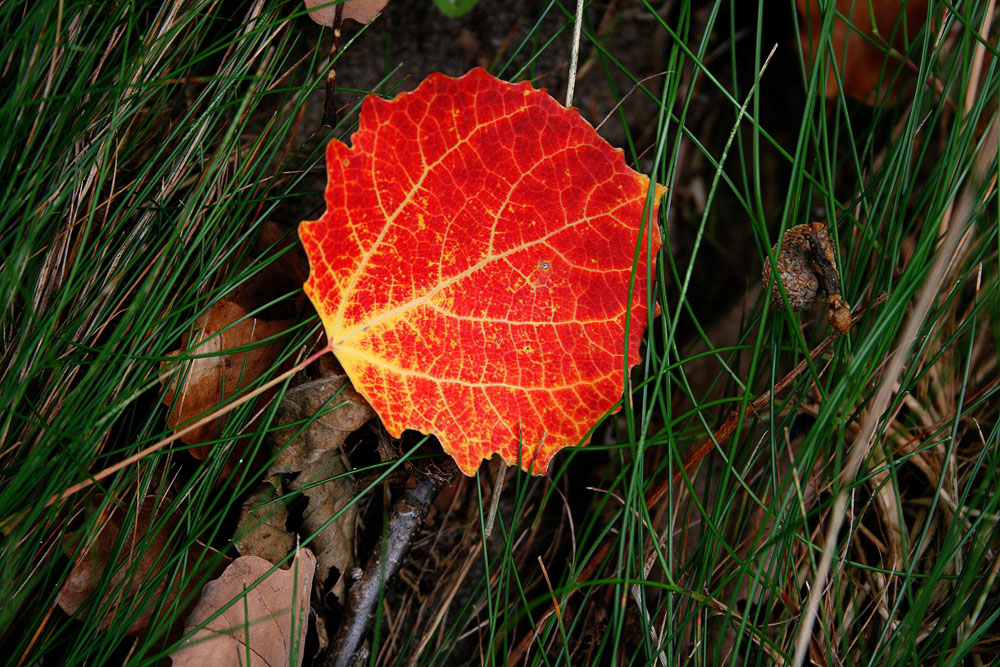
(807, 267)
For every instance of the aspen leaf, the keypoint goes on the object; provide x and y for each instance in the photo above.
(473, 267)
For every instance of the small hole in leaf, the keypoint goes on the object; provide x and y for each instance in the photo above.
(544, 266)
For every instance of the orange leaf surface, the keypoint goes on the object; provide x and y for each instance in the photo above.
(472, 268)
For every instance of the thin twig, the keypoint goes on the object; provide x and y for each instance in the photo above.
(330, 103)
(445, 604)
(495, 498)
(156, 446)
(625, 97)
(408, 515)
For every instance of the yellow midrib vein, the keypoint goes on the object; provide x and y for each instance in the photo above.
(341, 337)
(389, 219)
(441, 380)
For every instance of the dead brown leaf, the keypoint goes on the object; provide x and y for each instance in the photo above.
(141, 560)
(362, 11)
(268, 623)
(209, 380)
(261, 530)
(334, 544)
(316, 454)
(338, 418)
(869, 71)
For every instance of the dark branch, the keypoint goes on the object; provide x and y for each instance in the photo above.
(407, 516)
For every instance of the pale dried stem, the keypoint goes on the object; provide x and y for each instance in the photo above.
(57, 51)
(575, 55)
(157, 446)
(431, 632)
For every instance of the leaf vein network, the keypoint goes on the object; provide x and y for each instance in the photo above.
(424, 298)
(442, 380)
(530, 323)
(390, 219)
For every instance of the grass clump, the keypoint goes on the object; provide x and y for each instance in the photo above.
(147, 144)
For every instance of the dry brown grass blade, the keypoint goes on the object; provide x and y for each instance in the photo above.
(157, 446)
(723, 433)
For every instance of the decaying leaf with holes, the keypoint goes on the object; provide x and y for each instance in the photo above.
(483, 267)
(313, 420)
(807, 268)
(262, 529)
(333, 410)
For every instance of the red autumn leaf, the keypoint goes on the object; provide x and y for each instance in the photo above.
(472, 268)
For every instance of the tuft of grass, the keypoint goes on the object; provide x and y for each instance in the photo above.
(144, 146)
(147, 143)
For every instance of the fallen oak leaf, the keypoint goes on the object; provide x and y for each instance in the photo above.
(263, 615)
(475, 264)
(315, 452)
(310, 426)
(331, 493)
(261, 529)
(338, 410)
